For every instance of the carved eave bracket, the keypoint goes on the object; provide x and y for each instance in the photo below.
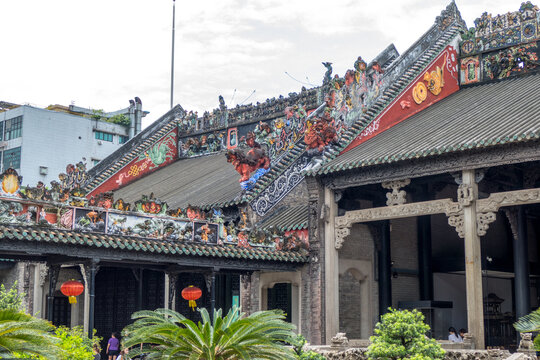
(396, 196)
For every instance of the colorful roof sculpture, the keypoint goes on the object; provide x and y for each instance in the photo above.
(61, 214)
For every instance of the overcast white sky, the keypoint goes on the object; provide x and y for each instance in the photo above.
(102, 53)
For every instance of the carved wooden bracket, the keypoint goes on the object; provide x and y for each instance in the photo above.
(456, 221)
(482, 222)
(466, 194)
(396, 196)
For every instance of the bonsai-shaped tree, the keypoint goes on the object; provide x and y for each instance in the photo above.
(166, 334)
(401, 334)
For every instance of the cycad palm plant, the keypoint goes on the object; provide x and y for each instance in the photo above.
(167, 334)
(23, 334)
(529, 323)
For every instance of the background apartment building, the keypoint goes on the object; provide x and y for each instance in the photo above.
(39, 143)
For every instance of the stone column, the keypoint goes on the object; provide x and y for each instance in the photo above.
(331, 265)
(86, 294)
(167, 291)
(40, 273)
(92, 271)
(173, 282)
(473, 265)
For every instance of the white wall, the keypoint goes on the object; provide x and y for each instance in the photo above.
(54, 139)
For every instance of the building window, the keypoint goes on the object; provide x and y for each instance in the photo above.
(100, 135)
(12, 158)
(95, 162)
(122, 139)
(13, 128)
(1, 130)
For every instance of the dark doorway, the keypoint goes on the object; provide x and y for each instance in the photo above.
(61, 311)
(122, 291)
(280, 297)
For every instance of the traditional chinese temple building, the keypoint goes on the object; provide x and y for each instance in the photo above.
(412, 182)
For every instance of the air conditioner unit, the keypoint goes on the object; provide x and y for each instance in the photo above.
(100, 142)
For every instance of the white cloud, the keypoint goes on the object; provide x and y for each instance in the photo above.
(102, 53)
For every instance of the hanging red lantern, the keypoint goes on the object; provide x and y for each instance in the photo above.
(192, 293)
(72, 289)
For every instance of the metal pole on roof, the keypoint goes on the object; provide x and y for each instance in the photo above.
(172, 55)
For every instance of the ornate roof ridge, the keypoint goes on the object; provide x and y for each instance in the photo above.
(130, 150)
(389, 95)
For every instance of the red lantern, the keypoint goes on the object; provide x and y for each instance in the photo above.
(192, 293)
(71, 289)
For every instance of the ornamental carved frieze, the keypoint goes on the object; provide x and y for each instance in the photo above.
(343, 223)
(508, 198)
(396, 196)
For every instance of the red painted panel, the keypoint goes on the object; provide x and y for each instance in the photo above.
(162, 153)
(424, 91)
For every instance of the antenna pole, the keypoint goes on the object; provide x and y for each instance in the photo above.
(172, 55)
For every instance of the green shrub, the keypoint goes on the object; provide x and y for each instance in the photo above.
(10, 299)
(120, 119)
(75, 343)
(298, 345)
(402, 335)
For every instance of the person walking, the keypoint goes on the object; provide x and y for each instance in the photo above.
(113, 347)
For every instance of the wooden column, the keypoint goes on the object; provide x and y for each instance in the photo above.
(473, 265)
(385, 270)
(331, 271)
(521, 266)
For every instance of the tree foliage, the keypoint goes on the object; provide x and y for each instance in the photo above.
(120, 119)
(10, 299)
(167, 334)
(75, 343)
(402, 335)
(26, 335)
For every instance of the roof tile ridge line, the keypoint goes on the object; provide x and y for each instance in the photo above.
(457, 147)
(95, 183)
(355, 132)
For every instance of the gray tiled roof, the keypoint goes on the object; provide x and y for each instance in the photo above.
(287, 218)
(201, 181)
(477, 117)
